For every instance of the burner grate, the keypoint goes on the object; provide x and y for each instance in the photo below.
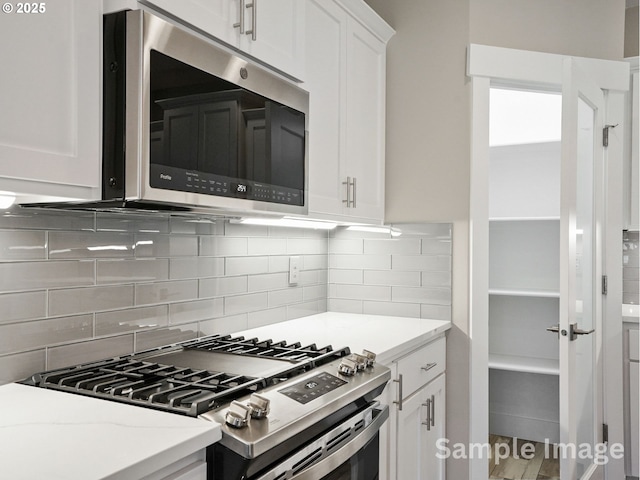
(294, 352)
(164, 387)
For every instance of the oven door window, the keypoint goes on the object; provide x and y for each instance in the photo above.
(361, 466)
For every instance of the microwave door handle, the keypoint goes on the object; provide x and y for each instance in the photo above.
(240, 23)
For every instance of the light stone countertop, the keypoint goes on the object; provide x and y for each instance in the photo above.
(631, 313)
(46, 434)
(388, 337)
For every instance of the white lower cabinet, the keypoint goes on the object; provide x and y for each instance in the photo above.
(420, 424)
(192, 467)
(417, 415)
(632, 398)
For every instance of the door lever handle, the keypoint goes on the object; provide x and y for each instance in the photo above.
(554, 329)
(574, 331)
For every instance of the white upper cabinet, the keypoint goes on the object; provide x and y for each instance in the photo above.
(345, 76)
(270, 31)
(632, 165)
(50, 92)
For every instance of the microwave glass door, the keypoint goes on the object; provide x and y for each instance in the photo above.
(212, 137)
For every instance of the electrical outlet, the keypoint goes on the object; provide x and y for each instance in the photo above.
(294, 270)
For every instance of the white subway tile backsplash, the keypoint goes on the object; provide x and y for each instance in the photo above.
(89, 351)
(308, 246)
(428, 295)
(197, 267)
(18, 218)
(392, 277)
(435, 312)
(19, 337)
(412, 263)
(313, 262)
(79, 286)
(194, 311)
(166, 292)
(22, 306)
(22, 365)
(266, 317)
(267, 246)
(71, 301)
(245, 303)
(268, 281)
(360, 262)
(148, 339)
(353, 246)
(134, 223)
(436, 279)
(133, 319)
(218, 287)
(224, 325)
(278, 298)
(338, 275)
(215, 246)
(393, 309)
(49, 274)
(26, 245)
(363, 292)
(405, 246)
(247, 265)
(138, 270)
(66, 245)
(156, 245)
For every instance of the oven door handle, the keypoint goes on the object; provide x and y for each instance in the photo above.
(333, 460)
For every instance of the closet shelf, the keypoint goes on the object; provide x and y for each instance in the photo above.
(515, 363)
(524, 293)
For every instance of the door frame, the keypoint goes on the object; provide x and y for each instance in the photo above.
(487, 65)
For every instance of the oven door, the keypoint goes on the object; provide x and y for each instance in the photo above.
(349, 451)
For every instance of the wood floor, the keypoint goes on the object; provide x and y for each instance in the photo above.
(512, 468)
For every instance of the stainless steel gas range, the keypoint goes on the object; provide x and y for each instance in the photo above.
(288, 411)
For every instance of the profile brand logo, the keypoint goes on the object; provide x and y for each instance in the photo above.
(164, 176)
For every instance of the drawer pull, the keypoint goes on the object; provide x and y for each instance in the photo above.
(429, 366)
(399, 402)
(433, 410)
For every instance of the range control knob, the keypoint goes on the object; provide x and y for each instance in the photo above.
(238, 415)
(361, 360)
(348, 366)
(370, 356)
(259, 406)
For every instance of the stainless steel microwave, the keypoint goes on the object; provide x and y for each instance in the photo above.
(188, 125)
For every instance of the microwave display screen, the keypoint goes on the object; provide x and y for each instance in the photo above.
(212, 137)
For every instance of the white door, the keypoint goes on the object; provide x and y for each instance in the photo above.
(582, 207)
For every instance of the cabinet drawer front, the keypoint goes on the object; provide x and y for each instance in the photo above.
(634, 345)
(421, 366)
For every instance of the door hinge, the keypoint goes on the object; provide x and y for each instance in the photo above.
(605, 433)
(605, 134)
(605, 285)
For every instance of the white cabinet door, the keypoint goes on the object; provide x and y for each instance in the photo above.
(421, 422)
(326, 65)
(365, 122)
(215, 17)
(274, 34)
(270, 31)
(50, 92)
(345, 76)
(634, 402)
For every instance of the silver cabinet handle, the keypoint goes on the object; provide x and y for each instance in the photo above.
(347, 202)
(399, 401)
(240, 23)
(353, 202)
(433, 410)
(254, 20)
(429, 366)
(428, 421)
